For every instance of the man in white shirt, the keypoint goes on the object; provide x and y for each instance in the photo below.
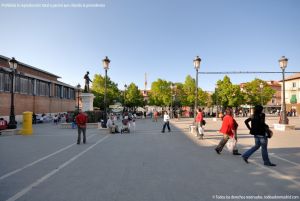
(166, 122)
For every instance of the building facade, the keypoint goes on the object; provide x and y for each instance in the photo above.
(276, 98)
(292, 93)
(34, 89)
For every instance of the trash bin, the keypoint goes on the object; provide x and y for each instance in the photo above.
(27, 123)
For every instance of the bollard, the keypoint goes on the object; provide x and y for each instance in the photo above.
(27, 123)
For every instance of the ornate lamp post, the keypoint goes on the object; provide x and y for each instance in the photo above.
(78, 91)
(13, 64)
(171, 110)
(216, 92)
(125, 88)
(106, 63)
(283, 64)
(197, 62)
(261, 86)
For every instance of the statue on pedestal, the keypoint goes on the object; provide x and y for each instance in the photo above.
(87, 82)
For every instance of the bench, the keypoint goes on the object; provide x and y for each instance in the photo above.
(89, 125)
(6, 132)
(284, 127)
(192, 129)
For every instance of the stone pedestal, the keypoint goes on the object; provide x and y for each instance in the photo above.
(215, 119)
(87, 100)
(284, 127)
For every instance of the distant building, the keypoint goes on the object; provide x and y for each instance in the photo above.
(35, 90)
(292, 92)
(276, 99)
(145, 94)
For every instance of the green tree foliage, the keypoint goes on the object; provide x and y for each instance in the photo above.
(188, 93)
(228, 94)
(255, 95)
(203, 98)
(98, 89)
(188, 97)
(160, 93)
(178, 94)
(133, 96)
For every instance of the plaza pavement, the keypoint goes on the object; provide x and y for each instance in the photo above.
(146, 165)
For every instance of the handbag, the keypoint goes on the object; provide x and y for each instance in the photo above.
(200, 130)
(231, 144)
(203, 122)
(269, 132)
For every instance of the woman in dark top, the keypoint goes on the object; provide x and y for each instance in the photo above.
(258, 129)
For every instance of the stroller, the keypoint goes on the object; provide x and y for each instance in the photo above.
(125, 125)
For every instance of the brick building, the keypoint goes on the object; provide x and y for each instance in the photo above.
(292, 92)
(35, 90)
(276, 99)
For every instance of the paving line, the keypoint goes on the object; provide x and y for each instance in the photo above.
(274, 172)
(39, 160)
(283, 159)
(53, 172)
(272, 154)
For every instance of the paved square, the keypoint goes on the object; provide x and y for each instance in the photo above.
(146, 165)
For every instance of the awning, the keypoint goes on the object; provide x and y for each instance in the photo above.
(293, 99)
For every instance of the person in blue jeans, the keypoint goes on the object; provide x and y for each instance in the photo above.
(258, 129)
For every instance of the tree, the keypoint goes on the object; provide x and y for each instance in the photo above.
(160, 93)
(227, 94)
(254, 95)
(178, 94)
(133, 96)
(98, 89)
(188, 98)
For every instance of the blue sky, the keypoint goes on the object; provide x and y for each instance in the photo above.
(157, 37)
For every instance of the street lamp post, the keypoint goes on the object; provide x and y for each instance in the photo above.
(13, 64)
(283, 64)
(78, 91)
(261, 86)
(216, 92)
(197, 62)
(171, 110)
(125, 88)
(106, 63)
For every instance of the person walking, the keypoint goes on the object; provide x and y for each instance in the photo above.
(199, 124)
(258, 128)
(155, 116)
(234, 139)
(227, 129)
(81, 120)
(3, 124)
(166, 122)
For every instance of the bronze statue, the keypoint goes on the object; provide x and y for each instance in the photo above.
(87, 82)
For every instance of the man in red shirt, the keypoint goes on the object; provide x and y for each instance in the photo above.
(3, 124)
(81, 120)
(228, 130)
(199, 123)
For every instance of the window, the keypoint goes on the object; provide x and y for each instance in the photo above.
(42, 88)
(66, 92)
(7, 82)
(30, 86)
(57, 91)
(294, 84)
(2, 81)
(72, 94)
(17, 84)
